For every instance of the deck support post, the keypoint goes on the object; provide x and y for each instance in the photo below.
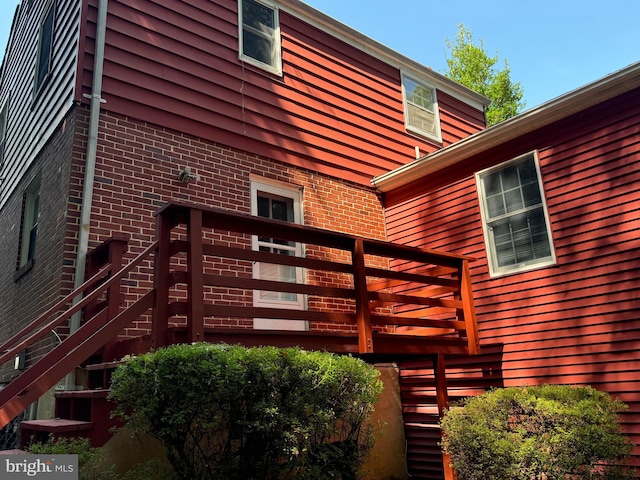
(363, 318)
(160, 317)
(195, 283)
(442, 397)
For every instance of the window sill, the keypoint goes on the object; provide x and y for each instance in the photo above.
(23, 270)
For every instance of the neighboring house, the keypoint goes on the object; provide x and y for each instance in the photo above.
(109, 110)
(549, 204)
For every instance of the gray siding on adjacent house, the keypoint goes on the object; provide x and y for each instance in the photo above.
(32, 116)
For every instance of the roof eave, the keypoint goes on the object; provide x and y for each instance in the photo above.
(382, 52)
(608, 87)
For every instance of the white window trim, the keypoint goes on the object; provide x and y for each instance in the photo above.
(277, 68)
(436, 110)
(301, 302)
(494, 269)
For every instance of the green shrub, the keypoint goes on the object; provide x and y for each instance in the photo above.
(89, 458)
(228, 412)
(550, 432)
(90, 461)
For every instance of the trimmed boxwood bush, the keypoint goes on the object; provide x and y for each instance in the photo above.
(550, 432)
(229, 412)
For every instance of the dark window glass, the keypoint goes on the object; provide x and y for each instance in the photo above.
(515, 214)
(258, 32)
(45, 47)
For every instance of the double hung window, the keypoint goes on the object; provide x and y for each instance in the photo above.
(259, 32)
(30, 217)
(45, 48)
(515, 218)
(421, 108)
(3, 131)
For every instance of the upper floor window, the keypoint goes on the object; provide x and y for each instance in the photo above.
(30, 216)
(45, 48)
(421, 108)
(3, 130)
(259, 34)
(515, 218)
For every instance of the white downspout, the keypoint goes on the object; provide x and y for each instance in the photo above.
(90, 165)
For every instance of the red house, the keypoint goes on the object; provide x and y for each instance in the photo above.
(202, 170)
(548, 203)
(222, 153)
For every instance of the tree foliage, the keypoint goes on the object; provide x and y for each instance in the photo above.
(228, 412)
(552, 432)
(469, 64)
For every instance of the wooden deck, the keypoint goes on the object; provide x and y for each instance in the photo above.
(364, 297)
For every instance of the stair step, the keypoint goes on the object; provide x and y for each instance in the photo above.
(56, 425)
(39, 431)
(104, 366)
(96, 393)
(99, 374)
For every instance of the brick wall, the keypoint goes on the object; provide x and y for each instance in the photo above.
(26, 293)
(137, 172)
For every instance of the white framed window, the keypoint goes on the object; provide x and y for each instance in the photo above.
(514, 216)
(30, 217)
(277, 202)
(421, 107)
(4, 112)
(259, 34)
(45, 48)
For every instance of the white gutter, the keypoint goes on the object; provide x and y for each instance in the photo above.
(90, 164)
(612, 85)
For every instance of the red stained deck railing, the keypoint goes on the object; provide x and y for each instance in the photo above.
(368, 296)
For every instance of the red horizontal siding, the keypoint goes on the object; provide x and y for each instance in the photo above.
(576, 322)
(335, 109)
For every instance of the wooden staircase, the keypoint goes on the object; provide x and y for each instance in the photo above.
(465, 376)
(389, 301)
(78, 413)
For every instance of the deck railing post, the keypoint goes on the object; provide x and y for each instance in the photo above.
(468, 308)
(195, 285)
(363, 317)
(117, 248)
(160, 317)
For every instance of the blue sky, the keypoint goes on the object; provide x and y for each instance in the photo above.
(553, 46)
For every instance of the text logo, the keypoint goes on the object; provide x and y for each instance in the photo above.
(51, 467)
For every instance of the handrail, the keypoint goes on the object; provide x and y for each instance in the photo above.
(430, 287)
(74, 349)
(5, 355)
(64, 301)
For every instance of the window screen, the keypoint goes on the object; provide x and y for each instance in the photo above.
(515, 217)
(420, 107)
